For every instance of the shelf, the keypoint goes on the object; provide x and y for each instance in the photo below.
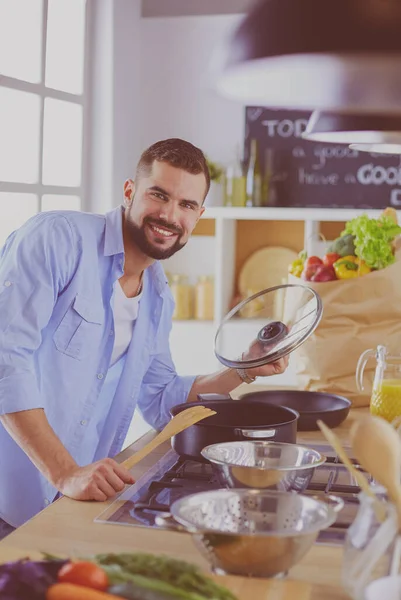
(287, 214)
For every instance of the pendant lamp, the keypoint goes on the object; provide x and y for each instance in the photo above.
(367, 132)
(316, 54)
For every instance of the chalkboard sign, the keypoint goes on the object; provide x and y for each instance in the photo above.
(311, 174)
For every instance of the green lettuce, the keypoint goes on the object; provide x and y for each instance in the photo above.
(373, 238)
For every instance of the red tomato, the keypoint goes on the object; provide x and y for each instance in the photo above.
(330, 258)
(309, 271)
(312, 260)
(84, 573)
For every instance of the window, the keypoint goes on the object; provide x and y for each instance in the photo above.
(42, 60)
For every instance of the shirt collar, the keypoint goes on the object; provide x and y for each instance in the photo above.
(113, 237)
(114, 244)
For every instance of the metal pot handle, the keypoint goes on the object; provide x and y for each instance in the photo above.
(167, 521)
(335, 502)
(256, 434)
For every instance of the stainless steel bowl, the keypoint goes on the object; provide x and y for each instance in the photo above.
(254, 533)
(263, 465)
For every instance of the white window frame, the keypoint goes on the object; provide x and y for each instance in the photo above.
(46, 92)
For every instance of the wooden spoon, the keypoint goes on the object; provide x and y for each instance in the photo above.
(181, 421)
(331, 437)
(377, 447)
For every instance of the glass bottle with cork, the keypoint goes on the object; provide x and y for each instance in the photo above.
(235, 182)
(254, 177)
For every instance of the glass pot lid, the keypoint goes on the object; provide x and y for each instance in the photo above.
(267, 326)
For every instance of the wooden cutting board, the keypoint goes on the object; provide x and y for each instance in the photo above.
(243, 588)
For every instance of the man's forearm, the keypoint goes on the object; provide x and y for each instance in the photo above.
(222, 382)
(33, 433)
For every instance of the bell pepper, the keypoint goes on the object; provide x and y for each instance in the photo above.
(349, 267)
(296, 267)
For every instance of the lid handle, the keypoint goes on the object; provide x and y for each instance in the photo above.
(272, 333)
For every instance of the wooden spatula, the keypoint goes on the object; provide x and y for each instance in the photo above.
(335, 442)
(184, 419)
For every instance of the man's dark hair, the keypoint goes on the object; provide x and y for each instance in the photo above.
(177, 153)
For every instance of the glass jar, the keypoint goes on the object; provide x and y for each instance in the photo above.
(183, 297)
(204, 298)
(385, 400)
(369, 546)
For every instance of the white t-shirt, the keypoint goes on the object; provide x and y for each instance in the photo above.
(125, 312)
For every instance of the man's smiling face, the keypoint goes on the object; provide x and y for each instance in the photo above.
(163, 208)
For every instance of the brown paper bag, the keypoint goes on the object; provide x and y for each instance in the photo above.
(357, 314)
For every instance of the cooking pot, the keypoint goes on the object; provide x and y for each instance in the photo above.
(234, 421)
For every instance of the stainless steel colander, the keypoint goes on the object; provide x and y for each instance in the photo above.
(254, 533)
(263, 465)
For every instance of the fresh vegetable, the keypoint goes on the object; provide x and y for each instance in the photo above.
(343, 245)
(183, 576)
(84, 573)
(308, 272)
(26, 579)
(313, 260)
(296, 267)
(324, 273)
(373, 239)
(131, 591)
(71, 591)
(350, 267)
(330, 258)
(146, 588)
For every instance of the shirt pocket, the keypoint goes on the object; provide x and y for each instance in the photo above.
(80, 328)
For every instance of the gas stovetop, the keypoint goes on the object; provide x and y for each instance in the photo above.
(173, 477)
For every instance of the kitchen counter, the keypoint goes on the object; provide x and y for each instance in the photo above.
(67, 527)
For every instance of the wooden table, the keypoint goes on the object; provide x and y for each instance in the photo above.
(67, 527)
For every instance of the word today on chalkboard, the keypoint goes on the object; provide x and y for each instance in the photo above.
(311, 174)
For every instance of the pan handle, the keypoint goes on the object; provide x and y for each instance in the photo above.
(256, 434)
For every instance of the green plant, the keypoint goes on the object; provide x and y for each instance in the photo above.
(215, 170)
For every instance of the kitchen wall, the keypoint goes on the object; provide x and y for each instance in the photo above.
(157, 84)
(177, 95)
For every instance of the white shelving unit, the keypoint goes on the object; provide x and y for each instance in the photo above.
(192, 342)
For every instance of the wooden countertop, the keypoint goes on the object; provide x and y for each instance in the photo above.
(67, 527)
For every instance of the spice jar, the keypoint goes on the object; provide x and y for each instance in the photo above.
(204, 298)
(182, 293)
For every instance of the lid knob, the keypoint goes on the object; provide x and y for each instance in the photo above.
(272, 333)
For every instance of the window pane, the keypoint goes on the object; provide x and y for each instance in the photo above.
(19, 136)
(60, 202)
(65, 45)
(15, 209)
(62, 144)
(21, 39)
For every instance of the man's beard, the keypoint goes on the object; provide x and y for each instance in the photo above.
(138, 235)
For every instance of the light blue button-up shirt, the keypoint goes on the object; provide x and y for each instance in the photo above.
(56, 338)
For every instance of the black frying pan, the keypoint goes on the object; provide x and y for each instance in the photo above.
(311, 406)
